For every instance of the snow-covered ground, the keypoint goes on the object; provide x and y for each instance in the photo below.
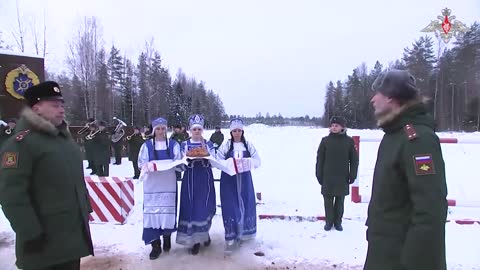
(288, 186)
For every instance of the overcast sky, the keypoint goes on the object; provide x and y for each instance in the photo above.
(259, 55)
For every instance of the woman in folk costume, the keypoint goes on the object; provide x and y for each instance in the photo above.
(197, 197)
(159, 189)
(237, 193)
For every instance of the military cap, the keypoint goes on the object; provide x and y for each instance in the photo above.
(337, 120)
(398, 84)
(48, 90)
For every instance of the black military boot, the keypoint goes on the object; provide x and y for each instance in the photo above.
(338, 227)
(167, 243)
(156, 249)
(195, 249)
(328, 226)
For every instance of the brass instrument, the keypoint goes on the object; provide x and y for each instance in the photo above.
(119, 131)
(129, 137)
(86, 127)
(92, 134)
(8, 131)
(144, 136)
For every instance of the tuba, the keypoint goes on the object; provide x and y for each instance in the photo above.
(119, 131)
(86, 127)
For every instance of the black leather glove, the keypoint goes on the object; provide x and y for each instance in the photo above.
(351, 180)
(35, 245)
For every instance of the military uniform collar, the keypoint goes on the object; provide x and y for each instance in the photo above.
(31, 120)
(414, 113)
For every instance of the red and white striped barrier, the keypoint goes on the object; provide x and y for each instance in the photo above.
(112, 199)
(442, 140)
(320, 218)
(355, 189)
(295, 218)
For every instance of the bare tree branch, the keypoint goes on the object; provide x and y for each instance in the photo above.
(44, 34)
(35, 35)
(19, 34)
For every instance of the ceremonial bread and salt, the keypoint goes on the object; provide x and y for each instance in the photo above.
(230, 166)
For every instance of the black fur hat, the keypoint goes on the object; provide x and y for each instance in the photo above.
(48, 90)
(398, 84)
(337, 120)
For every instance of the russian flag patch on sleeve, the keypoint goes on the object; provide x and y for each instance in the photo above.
(423, 164)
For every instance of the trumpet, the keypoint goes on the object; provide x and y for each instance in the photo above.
(92, 135)
(129, 137)
(86, 127)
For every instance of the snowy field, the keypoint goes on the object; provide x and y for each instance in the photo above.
(288, 186)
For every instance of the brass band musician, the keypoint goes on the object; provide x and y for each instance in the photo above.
(117, 141)
(101, 149)
(135, 141)
(91, 127)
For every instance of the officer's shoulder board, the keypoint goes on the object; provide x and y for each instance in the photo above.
(410, 132)
(21, 135)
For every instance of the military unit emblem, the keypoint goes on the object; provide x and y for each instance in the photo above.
(424, 164)
(446, 26)
(20, 79)
(9, 160)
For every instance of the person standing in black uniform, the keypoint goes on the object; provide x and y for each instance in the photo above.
(336, 168)
(101, 145)
(117, 151)
(88, 146)
(217, 138)
(135, 142)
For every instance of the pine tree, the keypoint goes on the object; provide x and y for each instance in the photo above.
(103, 95)
(144, 90)
(419, 61)
(178, 110)
(339, 102)
(160, 82)
(353, 95)
(115, 68)
(128, 93)
(329, 103)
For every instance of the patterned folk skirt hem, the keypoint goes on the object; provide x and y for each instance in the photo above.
(190, 240)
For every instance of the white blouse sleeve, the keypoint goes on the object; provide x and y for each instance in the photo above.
(177, 153)
(223, 150)
(143, 156)
(183, 148)
(254, 155)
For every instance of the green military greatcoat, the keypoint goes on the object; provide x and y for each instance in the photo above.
(43, 193)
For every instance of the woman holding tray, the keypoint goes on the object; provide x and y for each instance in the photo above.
(197, 197)
(159, 189)
(237, 193)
